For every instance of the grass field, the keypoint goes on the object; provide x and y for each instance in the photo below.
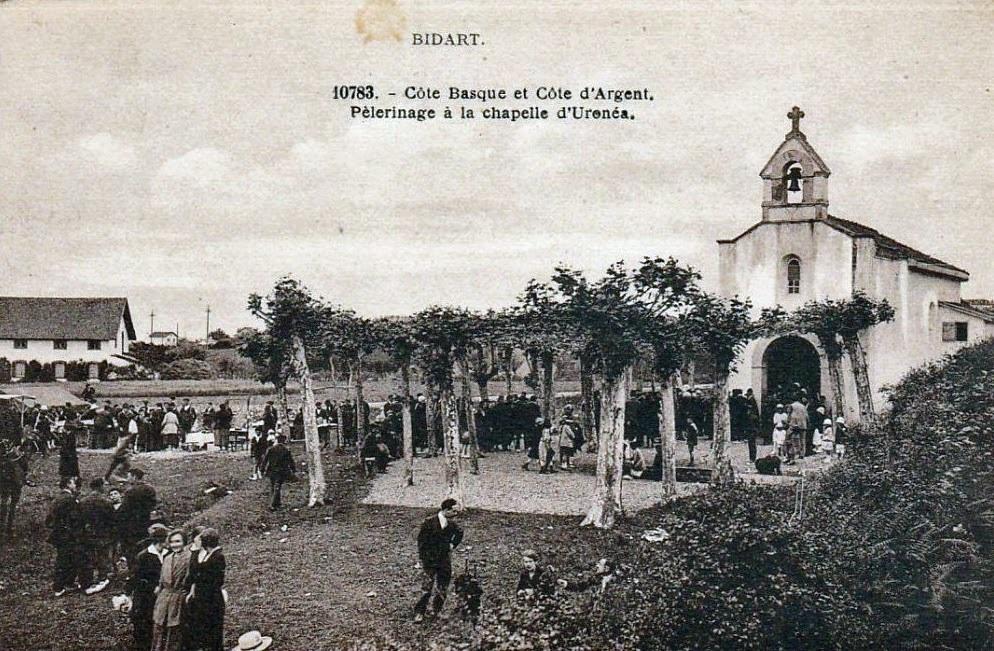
(337, 573)
(375, 390)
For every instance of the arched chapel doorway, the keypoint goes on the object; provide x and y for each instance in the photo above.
(789, 360)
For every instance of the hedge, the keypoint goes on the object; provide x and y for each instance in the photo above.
(893, 549)
(35, 371)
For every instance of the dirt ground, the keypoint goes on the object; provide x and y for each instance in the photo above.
(336, 573)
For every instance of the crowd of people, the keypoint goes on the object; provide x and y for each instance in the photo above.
(172, 577)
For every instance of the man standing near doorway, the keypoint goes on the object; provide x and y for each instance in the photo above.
(797, 428)
(438, 536)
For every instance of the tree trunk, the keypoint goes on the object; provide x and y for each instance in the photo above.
(481, 386)
(312, 444)
(833, 356)
(532, 380)
(667, 437)
(283, 410)
(587, 399)
(467, 399)
(861, 376)
(355, 372)
(507, 359)
(548, 365)
(432, 408)
(605, 504)
(408, 424)
(453, 464)
(722, 472)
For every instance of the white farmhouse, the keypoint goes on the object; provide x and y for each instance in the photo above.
(799, 252)
(163, 338)
(58, 331)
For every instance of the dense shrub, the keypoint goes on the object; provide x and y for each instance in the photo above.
(893, 548)
(188, 369)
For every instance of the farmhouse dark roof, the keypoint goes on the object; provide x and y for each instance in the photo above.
(162, 333)
(23, 317)
(886, 246)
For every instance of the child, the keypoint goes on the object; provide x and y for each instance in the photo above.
(260, 445)
(779, 438)
(566, 444)
(840, 437)
(827, 439)
(780, 416)
(532, 578)
(534, 447)
(547, 450)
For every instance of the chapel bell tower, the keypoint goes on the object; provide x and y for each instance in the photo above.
(795, 180)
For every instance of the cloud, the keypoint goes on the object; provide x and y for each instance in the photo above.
(108, 150)
(202, 167)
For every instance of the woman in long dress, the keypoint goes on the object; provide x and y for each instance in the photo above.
(170, 601)
(206, 602)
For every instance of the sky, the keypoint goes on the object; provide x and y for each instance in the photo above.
(187, 154)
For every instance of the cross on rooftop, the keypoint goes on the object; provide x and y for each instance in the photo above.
(795, 116)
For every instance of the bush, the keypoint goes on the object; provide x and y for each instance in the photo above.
(893, 549)
(188, 369)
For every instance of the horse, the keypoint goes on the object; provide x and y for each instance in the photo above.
(12, 475)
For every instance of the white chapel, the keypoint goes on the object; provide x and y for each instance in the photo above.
(799, 251)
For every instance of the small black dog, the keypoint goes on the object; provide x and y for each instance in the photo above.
(469, 593)
(768, 465)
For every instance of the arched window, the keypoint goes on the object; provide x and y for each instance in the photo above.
(793, 275)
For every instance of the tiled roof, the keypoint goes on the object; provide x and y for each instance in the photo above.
(23, 317)
(886, 246)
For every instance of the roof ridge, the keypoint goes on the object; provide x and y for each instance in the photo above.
(886, 241)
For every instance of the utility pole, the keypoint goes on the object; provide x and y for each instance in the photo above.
(207, 339)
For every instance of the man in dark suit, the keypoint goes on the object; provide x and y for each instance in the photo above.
(438, 536)
(135, 513)
(100, 529)
(66, 524)
(278, 465)
(269, 417)
(142, 584)
(187, 419)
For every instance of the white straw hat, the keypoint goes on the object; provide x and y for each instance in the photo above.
(253, 641)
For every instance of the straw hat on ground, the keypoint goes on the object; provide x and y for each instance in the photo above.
(253, 641)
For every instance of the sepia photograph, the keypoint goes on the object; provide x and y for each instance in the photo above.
(387, 325)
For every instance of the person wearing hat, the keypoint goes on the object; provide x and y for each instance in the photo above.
(438, 536)
(279, 466)
(253, 641)
(569, 438)
(100, 529)
(170, 428)
(142, 582)
(66, 523)
(827, 439)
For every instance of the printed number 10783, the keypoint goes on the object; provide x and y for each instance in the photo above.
(353, 92)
